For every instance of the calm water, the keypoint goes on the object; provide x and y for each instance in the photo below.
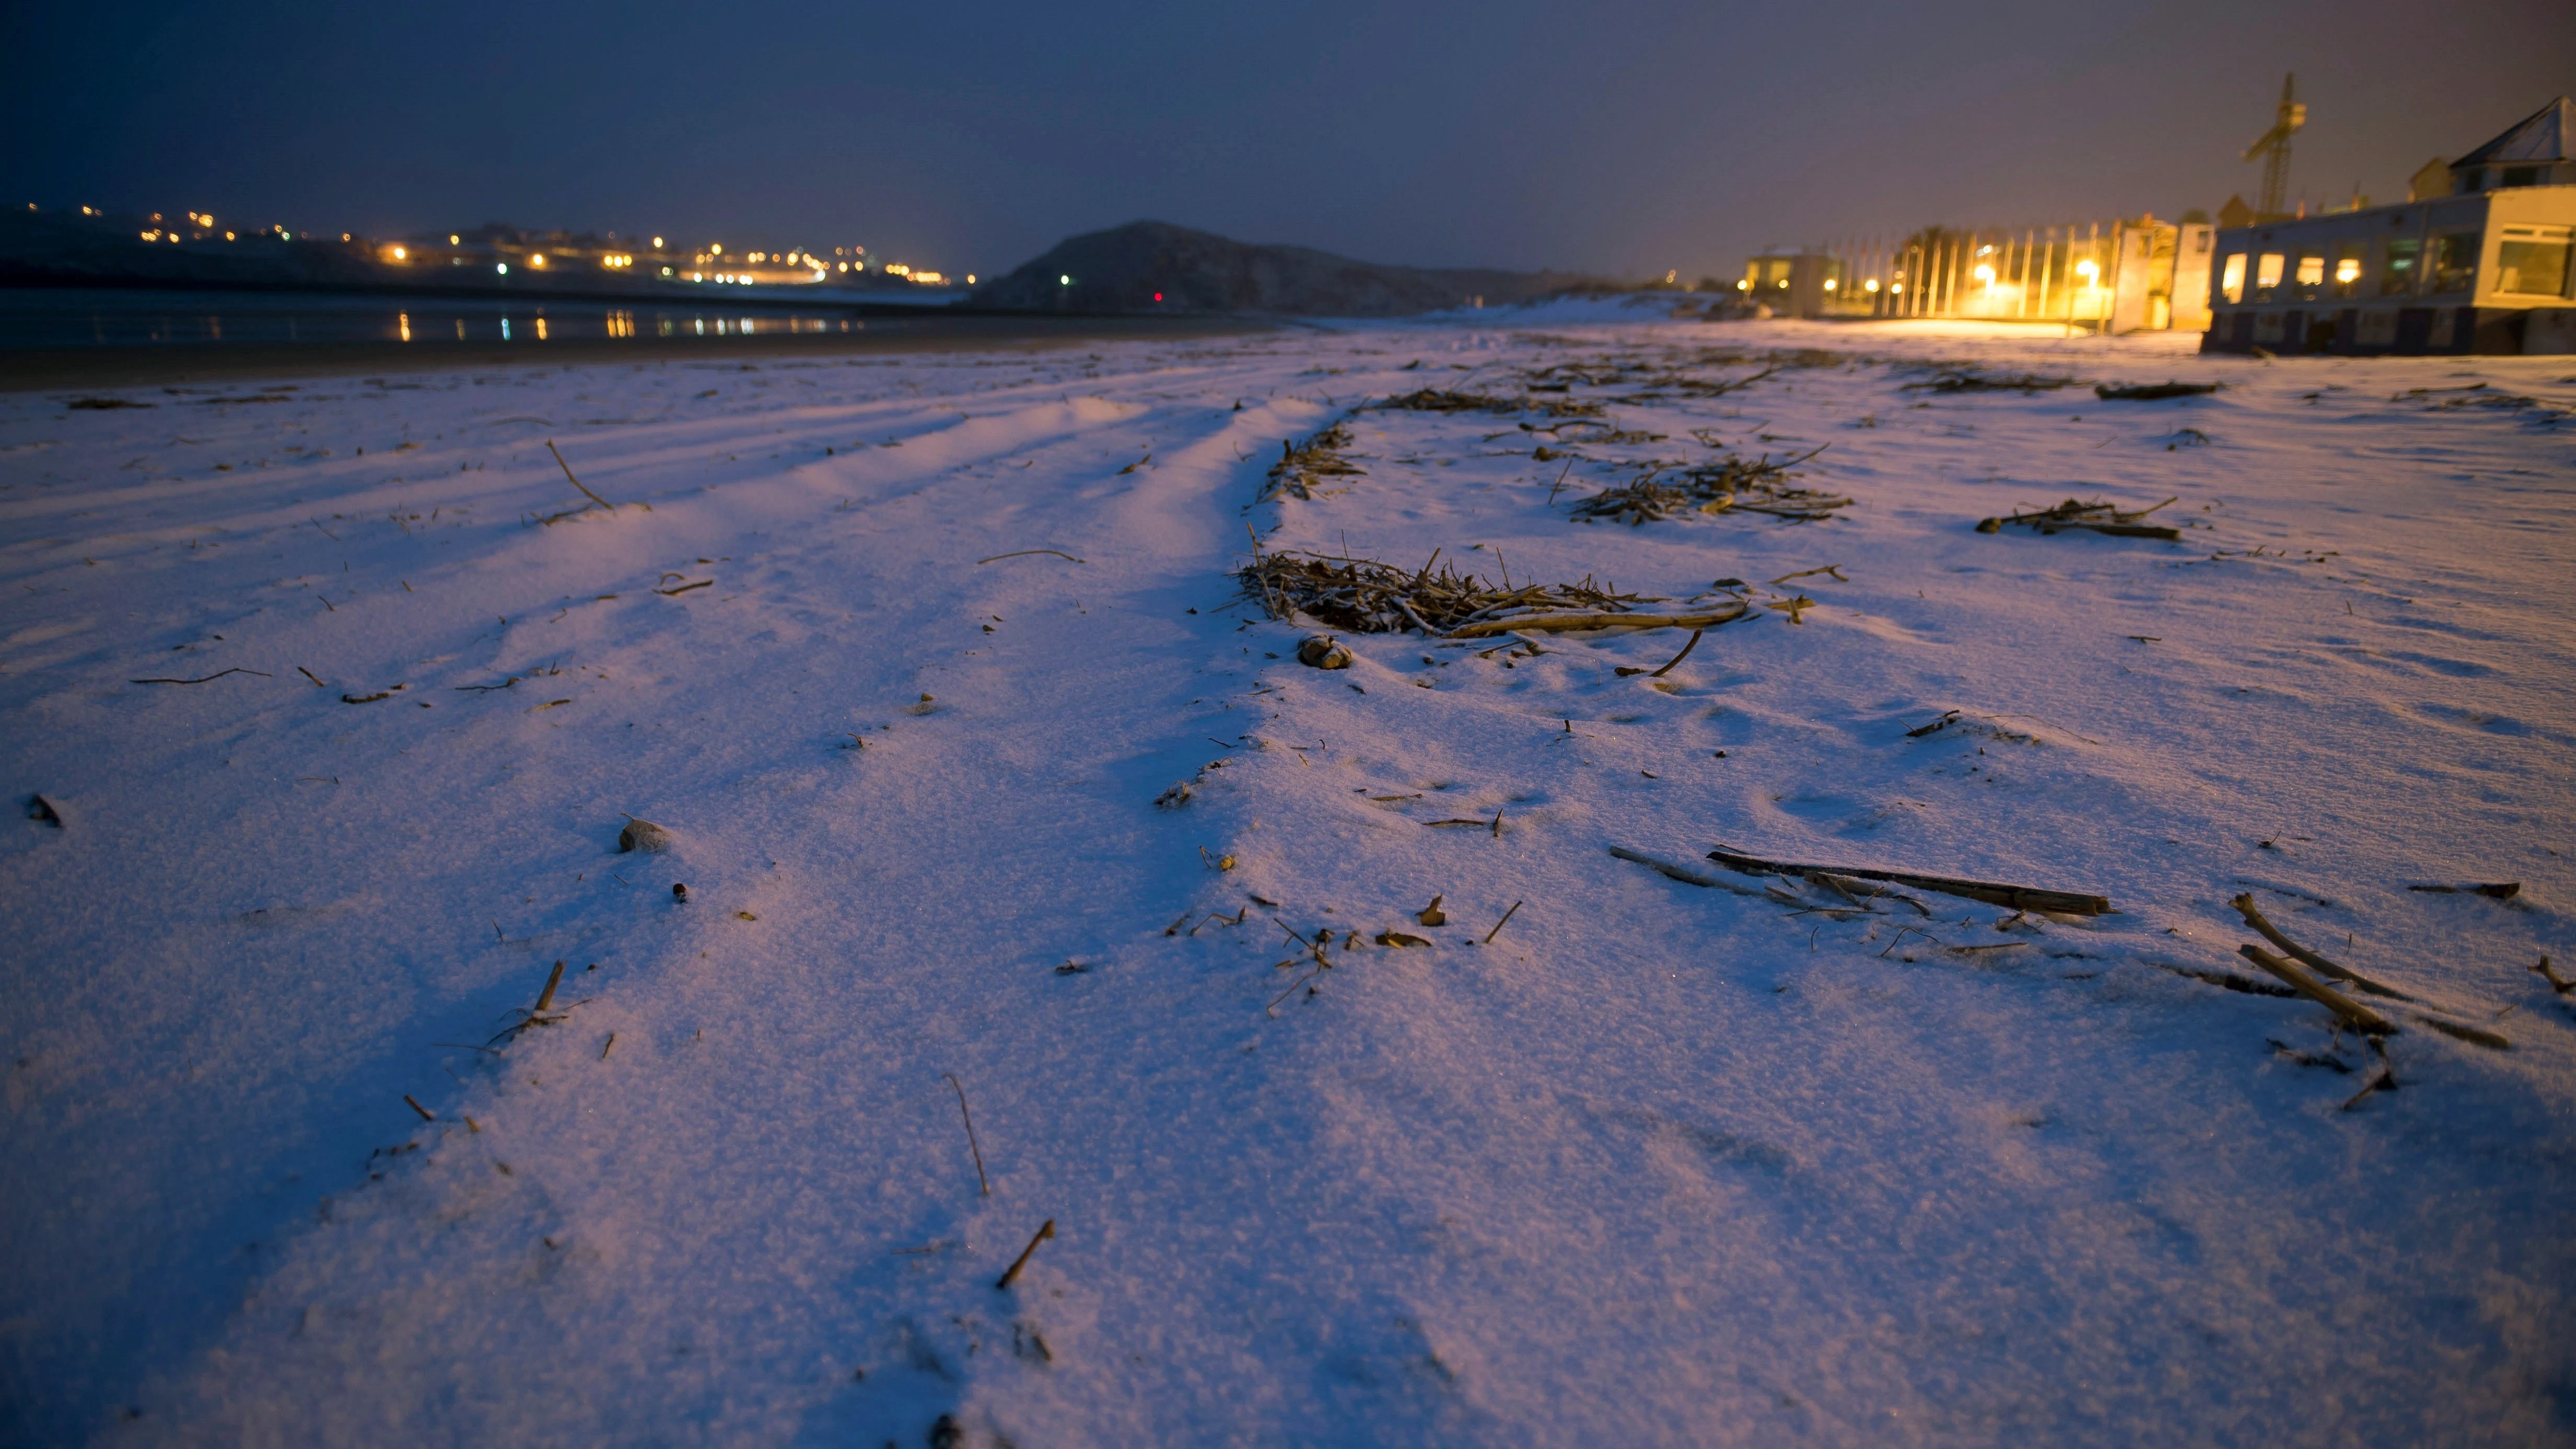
(71, 317)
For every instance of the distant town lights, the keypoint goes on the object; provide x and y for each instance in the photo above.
(1870, 286)
(537, 260)
(1829, 284)
(657, 243)
(1064, 281)
(502, 267)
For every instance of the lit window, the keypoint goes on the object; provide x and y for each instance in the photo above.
(2231, 277)
(2532, 261)
(2267, 276)
(2312, 273)
(2348, 267)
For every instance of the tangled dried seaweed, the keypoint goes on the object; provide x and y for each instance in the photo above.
(2098, 517)
(1364, 596)
(1733, 485)
(1302, 463)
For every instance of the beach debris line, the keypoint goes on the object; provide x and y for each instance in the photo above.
(1440, 400)
(2024, 898)
(1969, 379)
(2099, 517)
(2152, 391)
(1732, 485)
(1303, 465)
(1364, 596)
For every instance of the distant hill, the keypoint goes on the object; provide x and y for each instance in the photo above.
(1122, 270)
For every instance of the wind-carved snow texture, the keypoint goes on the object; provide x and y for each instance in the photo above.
(1651, 1163)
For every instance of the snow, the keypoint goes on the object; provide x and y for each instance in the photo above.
(1659, 1164)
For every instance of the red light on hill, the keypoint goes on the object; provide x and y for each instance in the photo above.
(1158, 296)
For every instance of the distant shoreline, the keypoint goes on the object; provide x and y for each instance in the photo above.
(47, 369)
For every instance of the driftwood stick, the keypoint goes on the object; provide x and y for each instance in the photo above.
(1688, 645)
(1012, 1273)
(426, 1115)
(546, 997)
(2306, 985)
(2557, 983)
(2244, 905)
(1505, 921)
(1550, 623)
(577, 483)
(236, 669)
(2027, 898)
(1060, 553)
(977, 1149)
(1683, 873)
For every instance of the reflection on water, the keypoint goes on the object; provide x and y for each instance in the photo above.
(77, 317)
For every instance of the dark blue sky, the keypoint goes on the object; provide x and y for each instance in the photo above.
(1621, 138)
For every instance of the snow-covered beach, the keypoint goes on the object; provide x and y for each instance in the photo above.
(903, 651)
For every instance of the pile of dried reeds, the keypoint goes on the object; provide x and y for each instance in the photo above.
(1971, 380)
(2098, 517)
(1733, 485)
(1441, 400)
(1302, 463)
(1364, 596)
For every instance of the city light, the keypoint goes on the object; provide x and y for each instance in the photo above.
(453, 241)
(503, 268)
(401, 255)
(1870, 286)
(1829, 284)
(1060, 281)
(538, 260)
(657, 243)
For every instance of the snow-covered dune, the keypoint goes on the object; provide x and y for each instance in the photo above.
(902, 655)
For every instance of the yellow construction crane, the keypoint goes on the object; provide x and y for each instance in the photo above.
(2274, 147)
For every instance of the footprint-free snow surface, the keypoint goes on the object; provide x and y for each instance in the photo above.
(338, 695)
